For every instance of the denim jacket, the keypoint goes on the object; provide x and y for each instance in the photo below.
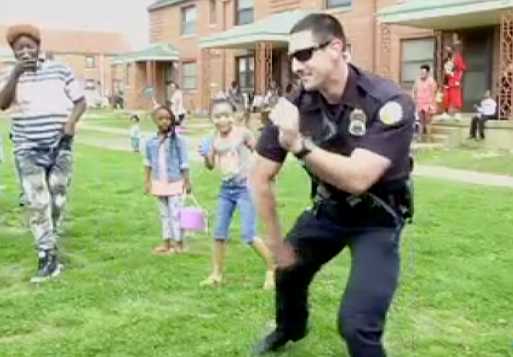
(177, 158)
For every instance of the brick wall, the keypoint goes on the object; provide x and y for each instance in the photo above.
(133, 91)
(359, 22)
(102, 72)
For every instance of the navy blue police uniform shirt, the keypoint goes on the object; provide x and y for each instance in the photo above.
(373, 114)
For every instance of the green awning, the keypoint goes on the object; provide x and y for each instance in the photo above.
(164, 3)
(274, 28)
(161, 52)
(444, 14)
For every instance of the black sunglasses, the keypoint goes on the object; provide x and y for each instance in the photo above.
(307, 53)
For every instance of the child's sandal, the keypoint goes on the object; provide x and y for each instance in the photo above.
(164, 249)
(211, 281)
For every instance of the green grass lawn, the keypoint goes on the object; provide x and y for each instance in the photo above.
(469, 158)
(116, 299)
(116, 119)
(99, 135)
(121, 120)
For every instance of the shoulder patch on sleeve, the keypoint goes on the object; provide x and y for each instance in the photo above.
(391, 113)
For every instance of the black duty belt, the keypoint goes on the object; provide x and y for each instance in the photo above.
(396, 203)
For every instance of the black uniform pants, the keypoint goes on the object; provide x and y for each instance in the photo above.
(318, 236)
(478, 124)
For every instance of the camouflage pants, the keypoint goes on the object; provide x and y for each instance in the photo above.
(45, 175)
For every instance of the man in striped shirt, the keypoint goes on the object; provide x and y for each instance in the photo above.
(45, 102)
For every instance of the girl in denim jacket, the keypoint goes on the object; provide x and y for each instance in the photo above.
(167, 177)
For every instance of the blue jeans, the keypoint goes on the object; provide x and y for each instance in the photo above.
(235, 194)
(136, 143)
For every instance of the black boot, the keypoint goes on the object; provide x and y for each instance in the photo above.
(22, 200)
(274, 342)
(47, 267)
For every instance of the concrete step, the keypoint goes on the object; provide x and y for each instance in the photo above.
(437, 138)
(445, 129)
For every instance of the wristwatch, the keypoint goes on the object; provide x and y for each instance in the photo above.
(307, 145)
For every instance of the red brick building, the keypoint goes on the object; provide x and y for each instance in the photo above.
(219, 41)
(88, 53)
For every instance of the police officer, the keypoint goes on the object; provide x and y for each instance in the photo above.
(352, 132)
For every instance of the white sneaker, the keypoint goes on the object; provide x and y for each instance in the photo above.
(443, 117)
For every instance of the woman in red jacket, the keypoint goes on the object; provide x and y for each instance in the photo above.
(454, 68)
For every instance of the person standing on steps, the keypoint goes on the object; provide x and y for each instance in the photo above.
(39, 94)
(454, 70)
(424, 94)
(351, 130)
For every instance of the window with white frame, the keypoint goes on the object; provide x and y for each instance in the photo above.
(414, 54)
(90, 84)
(246, 72)
(90, 62)
(337, 3)
(189, 76)
(189, 17)
(244, 12)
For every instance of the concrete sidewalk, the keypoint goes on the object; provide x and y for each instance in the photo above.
(467, 176)
(431, 171)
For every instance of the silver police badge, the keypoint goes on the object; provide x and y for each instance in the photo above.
(357, 123)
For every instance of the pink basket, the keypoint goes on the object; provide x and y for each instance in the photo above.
(193, 218)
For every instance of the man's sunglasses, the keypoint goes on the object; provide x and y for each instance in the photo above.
(307, 53)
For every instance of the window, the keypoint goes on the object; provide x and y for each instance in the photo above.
(337, 3)
(415, 53)
(213, 12)
(90, 62)
(246, 72)
(243, 12)
(189, 17)
(90, 84)
(189, 76)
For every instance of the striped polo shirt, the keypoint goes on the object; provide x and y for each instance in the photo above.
(42, 104)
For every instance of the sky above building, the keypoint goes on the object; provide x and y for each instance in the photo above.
(126, 16)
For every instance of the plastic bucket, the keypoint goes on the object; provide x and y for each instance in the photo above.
(192, 218)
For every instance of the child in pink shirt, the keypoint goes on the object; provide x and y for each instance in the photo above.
(167, 177)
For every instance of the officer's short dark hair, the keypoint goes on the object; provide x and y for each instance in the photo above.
(426, 67)
(324, 27)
